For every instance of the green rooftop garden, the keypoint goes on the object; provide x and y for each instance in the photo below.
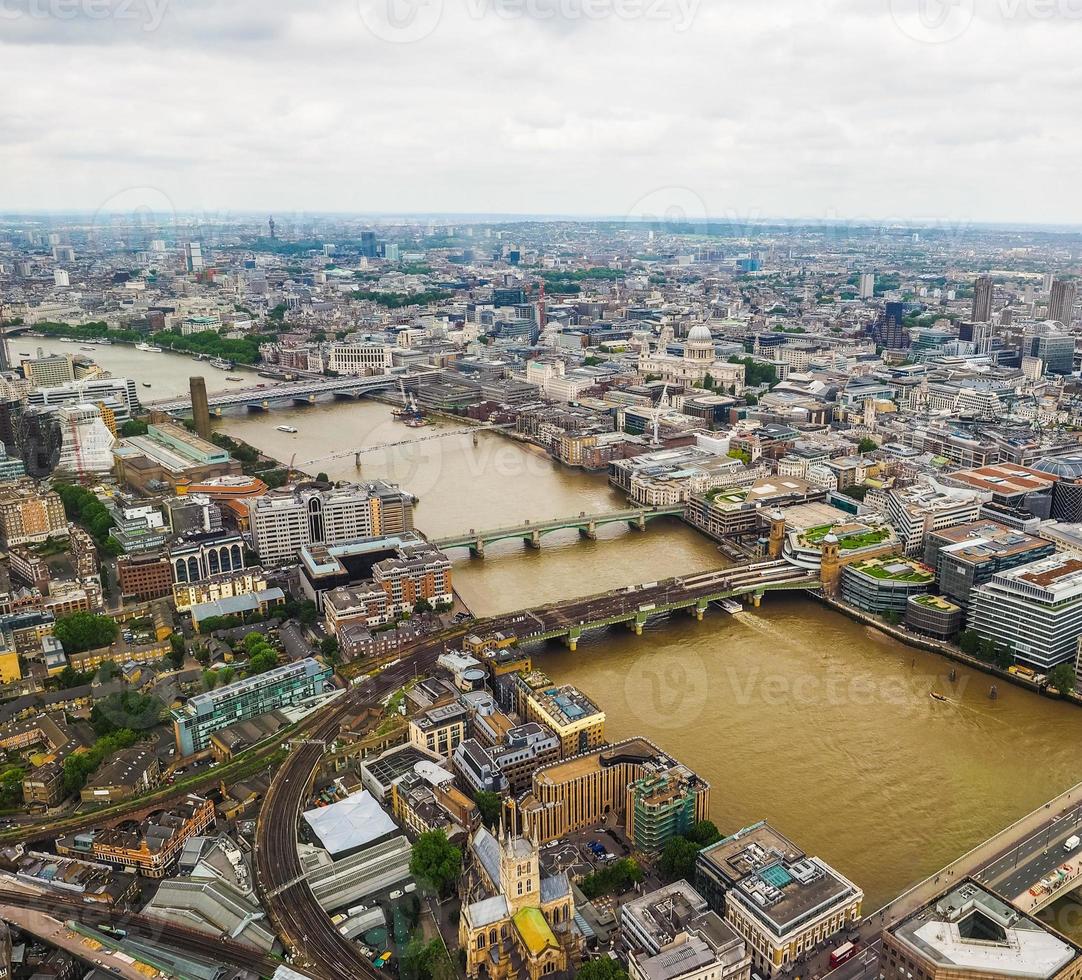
(848, 542)
(895, 570)
(935, 602)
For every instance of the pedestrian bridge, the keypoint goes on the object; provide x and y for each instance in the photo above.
(531, 532)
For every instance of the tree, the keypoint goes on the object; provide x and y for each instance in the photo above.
(85, 631)
(263, 661)
(329, 648)
(704, 833)
(427, 960)
(134, 427)
(322, 477)
(126, 710)
(11, 787)
(678, 859)
(422, 605)
(489, 806)
(867, 445)
(178, 649)
(435, 861)
(613, 879)
(602, 968)
(210, 679)
(708, 382)
(1062, 678)
(969, 642)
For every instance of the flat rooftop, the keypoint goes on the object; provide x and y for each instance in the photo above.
(969, 929)
(985, 541)
(1005, 479)
(775, 881)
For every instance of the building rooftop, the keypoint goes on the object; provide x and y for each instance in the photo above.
(350, 824)
(985, 541)
(776, 881)
(970, 930)
(1005, 479)
(1054, 579)
(895, 568)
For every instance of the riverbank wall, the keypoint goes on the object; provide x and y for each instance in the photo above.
(951, 652)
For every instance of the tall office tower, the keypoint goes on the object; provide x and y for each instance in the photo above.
(200, 407)
(893, 334)
(193, 256)
(270, 225)
(983, 289)
(1061, 305)
(867, 285)
(1046, 286)
(368, 244)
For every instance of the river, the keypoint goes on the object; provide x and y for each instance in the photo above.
(167, 372)
(792, 712)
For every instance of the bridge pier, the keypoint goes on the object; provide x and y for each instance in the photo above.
(477, 549)
(534, 540)
(571, 641)
(637, 523)
(590, 531)
(699, 609)
(637, 623)
(757, 599)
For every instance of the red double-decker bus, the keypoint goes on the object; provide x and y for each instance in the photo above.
(844, 952)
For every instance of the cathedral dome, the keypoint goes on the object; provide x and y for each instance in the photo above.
(700, 334)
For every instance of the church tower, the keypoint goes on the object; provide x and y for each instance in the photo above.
(520, 872)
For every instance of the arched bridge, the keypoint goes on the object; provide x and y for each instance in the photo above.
(299, 392)
(531, 532)
(637, 605)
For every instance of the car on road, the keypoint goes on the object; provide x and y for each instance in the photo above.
(396, 894)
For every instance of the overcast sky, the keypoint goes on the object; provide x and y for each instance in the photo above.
(738, 108)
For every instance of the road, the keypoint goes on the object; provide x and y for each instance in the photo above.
(1008, 864)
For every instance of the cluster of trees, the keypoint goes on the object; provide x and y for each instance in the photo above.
(985, 649)
(678, 857)
(223, 676)
(82, 507)
(435, 861)
(11, 787)
(602, 968)
(488, 805)
(395, 301)
(755, 373)
(178, 647)
(613, 879)
(134, 427)
(209, 342)
(85, 631)
(261, 655)
(126, 710)
(427, 961)
(867, 445)
(1062, 678)
(79, 766)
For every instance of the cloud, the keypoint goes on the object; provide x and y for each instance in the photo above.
(810, 108)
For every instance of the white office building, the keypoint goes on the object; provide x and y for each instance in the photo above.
(929, 506)
(1034, 609)
(359, 358)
